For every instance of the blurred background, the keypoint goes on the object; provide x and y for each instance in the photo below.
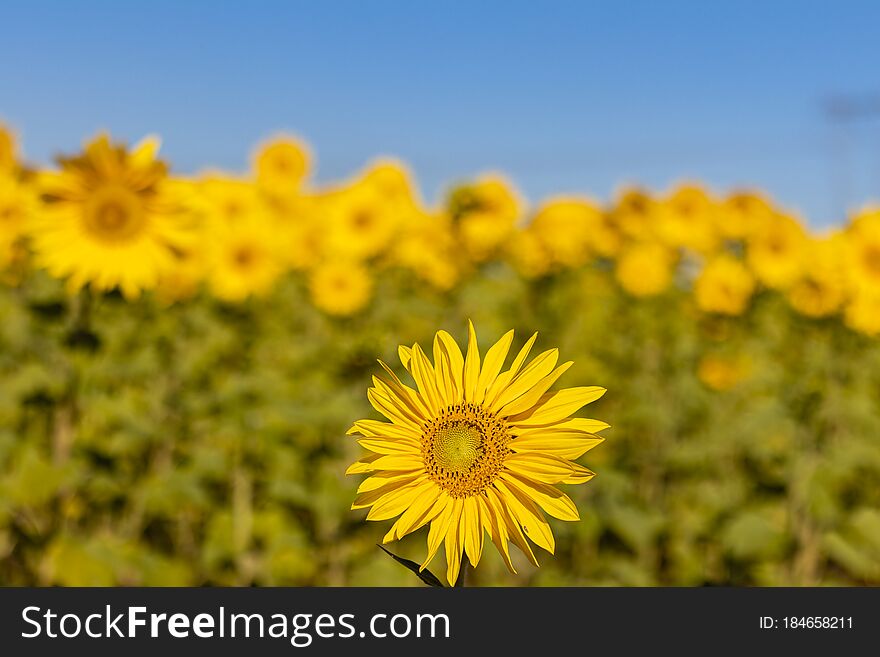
(679, 197)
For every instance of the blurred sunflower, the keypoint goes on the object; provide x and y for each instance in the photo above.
(820, 290)
(740, 213)
(775, 249)
(7, 149)
(634, 213)
(426, 247)
(360, 225)
(280, 165)
(242, 259)
(110, 220)
(224, 200)
(645, 269)
(724, 286)
(686, 218)
(393, 181)
(474, 450)
(862, 313)
(340, 288)
(528, 254)
(18, 206)
(722, 372)
(862, 253)
(485, 212)
(565, 229)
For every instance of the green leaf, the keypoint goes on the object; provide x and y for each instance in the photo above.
(425, 575)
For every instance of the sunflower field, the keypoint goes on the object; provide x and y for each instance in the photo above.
(181, 358)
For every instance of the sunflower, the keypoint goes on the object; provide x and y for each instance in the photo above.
(242, 259)
(862, 249)
(110, 220)
(821, 288)
(360, 224)
(645, 270)
(7, 149)
(724, 286)
(280, 165)
(862, 313)
(340, 288)
(687, 219)
(18, 205)
(485, 212)
(528, 254)
(634, 213)
(774, 250)
(740, 213)
(473, 450)
(565, 228)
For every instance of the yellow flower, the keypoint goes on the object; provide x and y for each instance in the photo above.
(110, 220)
(862, 313)
(340, 288)
(740, 213)
(393, 182)
(862, 253)
(360, 224)
(243, 259)
(7, 149)
(774, 250)
(528, 254)
(645, 269)
(724, 286)
(226, 201)
(821, 288)
(565, 228)
(472, 450)
(486, 212)
(635, 213)
(427, 247)
(687, 219)
(185, 278)
(719, 372)
(280, 165)
(18, 206)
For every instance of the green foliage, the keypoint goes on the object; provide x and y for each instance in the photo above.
(205, 444)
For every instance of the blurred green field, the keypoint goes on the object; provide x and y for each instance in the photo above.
(204, 443)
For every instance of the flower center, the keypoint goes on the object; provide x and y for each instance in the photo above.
(114, 214)
(464, 449)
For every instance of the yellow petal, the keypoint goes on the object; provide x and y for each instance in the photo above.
(405, 354)
(389, 490)
(390, 410)
(556, 406)
(425, 379)
(456, 363)
(439, 527)
(492, 365)
(442, 368)
(384, 478)
(374, 428)
(581, 475)
(397, 502)
(529, 516)
(383, 446)
(471, 365)
(421, 511)
(513, 529)
(504, 379)
(399, 462)
(362, 465)
(453, 543)
(473, 530)
(566, 445)
(530, 397)
(497, 531)
(404, 391)
(575, 424)
(540, 367)
(540, 467)
(552, 500)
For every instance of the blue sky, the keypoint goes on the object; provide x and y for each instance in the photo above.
(563, 97)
